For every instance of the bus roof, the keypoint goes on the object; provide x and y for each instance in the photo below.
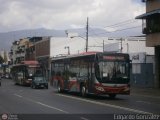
(92, 53)
(27, 63)
(74, 55)
(31, 62)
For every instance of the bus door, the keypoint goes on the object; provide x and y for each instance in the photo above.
(66, 76)
(90, 76)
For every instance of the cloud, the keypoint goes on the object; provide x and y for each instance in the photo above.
(63, 14)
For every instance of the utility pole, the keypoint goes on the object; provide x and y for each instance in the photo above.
(103, 45)
(87, 36)
(35, 47)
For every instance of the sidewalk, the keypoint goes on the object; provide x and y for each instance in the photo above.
(146, 91)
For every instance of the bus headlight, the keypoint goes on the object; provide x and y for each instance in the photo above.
(100, 88)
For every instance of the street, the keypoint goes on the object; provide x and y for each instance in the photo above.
(22, 100)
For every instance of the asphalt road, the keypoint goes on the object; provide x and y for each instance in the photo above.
(20, 102)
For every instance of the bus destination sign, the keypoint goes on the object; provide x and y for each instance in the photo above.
(113, 57)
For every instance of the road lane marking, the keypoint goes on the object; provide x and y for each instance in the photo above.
(83, 118)
(18, 95)
(144, 102)
(51, 107)
(41, 104)
(108, 105)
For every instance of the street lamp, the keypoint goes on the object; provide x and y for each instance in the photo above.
(67, 47)
(87, 26)
(84, 39)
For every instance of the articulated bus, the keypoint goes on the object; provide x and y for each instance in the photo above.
(98, 73)
(23, 73)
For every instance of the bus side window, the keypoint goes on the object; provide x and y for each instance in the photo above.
(73, 74)
(59, 73)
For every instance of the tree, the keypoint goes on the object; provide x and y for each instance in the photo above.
(1, 60)
(5, 57)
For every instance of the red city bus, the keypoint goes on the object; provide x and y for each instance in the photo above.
(23, 73)
(92, 73)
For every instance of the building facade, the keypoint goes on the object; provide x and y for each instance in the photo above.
(24, 49)
(151, 27)
(18, 50)
(42, 51)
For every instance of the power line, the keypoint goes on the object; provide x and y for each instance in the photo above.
(119, 30)
(122, 23)
(129, 21)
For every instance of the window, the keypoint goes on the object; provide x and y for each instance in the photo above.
(58, 68)
(151, 24)
(79, 68)
(136, 68)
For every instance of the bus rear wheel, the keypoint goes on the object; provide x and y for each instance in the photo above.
(59, 88)
(83, 91)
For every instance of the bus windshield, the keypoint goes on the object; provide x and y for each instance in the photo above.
(35, 71)
(113, 72)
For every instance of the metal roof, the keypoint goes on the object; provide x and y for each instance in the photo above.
(145, 15)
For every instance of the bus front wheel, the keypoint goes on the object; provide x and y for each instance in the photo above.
(112, 96)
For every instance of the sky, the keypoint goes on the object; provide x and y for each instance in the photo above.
(67, 14)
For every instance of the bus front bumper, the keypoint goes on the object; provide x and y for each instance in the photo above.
(112, 90)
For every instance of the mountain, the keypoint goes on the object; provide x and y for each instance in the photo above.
(7, 38)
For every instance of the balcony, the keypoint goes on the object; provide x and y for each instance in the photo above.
(150, 22)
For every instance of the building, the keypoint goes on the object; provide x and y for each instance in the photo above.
(23, 49)
(31, 48)
(151, 27)
(42, 52)
(18, 50)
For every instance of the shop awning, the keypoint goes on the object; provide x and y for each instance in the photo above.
(143, 16)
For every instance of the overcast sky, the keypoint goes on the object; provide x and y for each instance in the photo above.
(66, 14)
